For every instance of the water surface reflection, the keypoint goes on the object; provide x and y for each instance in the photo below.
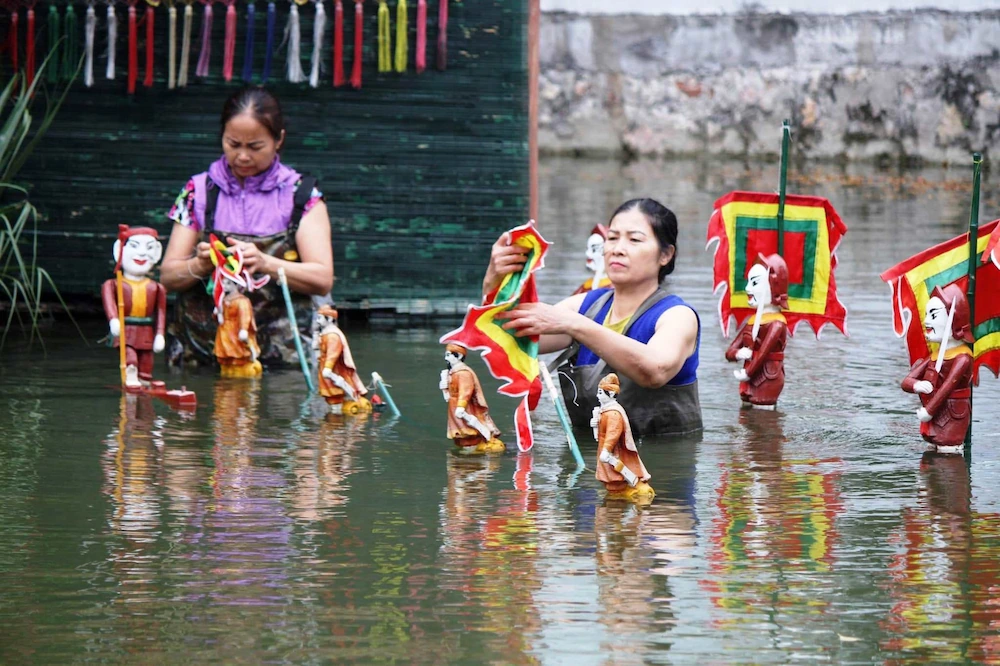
(261, 529)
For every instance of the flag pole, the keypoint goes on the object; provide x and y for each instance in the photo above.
(786, 133)
(970, 290)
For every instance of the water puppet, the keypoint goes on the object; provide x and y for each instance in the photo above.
(469, 422)
(619, 467)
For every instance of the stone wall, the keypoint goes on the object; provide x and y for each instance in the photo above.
(912, 86)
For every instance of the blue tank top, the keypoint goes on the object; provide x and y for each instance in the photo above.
(642, 329)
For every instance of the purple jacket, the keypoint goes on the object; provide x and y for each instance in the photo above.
(261, 207)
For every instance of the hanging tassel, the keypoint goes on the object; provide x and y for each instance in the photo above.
(359, 27)
(319, 26)
(402, 42)
(14, 20)
(269, 41)
(338, 44)
(229, 45)
(133, 50)
(182, 74)
(70, 57)
(147, 81)
(52, 73)
(384, 38)
(89, 28)
(421, 55)
(206, 42)
(29, 47)
(109, 73)
(442, 50)
(171, 46)
(248, 47)
(293, 62)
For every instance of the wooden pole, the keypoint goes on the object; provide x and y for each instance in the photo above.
(970, 289)
(786, 133)
(534, 21)
(119, 295)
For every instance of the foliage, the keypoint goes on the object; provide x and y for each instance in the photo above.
(22, 280)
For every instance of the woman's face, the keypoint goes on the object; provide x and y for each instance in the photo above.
(631, 253)
(249, 147)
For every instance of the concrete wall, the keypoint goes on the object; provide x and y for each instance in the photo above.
(914, 85)
(685, 7)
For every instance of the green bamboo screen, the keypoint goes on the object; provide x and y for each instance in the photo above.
(420, 172)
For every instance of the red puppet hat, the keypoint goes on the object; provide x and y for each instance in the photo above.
(777, 278)
(601, 230)
(961, 324)
(125, 232)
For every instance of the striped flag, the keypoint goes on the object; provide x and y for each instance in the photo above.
(992, 250)
(913, 280)
(509, 358)
(745, 224)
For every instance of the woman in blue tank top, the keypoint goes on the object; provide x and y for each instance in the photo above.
(635, 328)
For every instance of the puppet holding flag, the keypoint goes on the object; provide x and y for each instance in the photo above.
(770, 294)
(948, 350)
(509, 358)
(236, 346)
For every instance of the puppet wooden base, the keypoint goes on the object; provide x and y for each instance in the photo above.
(180, 399)
(479, 449)
(642, 493)
(356, 407)
(243, 370)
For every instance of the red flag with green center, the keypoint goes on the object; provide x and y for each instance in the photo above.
(745, 224)
(913, 280)
(509, 358)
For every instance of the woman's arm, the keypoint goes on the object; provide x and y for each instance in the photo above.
(183, 266)
(313, 273)
(553, 342)
(650, 365)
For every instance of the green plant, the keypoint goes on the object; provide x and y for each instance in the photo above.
(22, 280)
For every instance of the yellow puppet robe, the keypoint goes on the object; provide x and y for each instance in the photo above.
(464, 390)
(237, 315)
(335, 354)
(615, 434)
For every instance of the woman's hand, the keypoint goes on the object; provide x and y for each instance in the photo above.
(254, 260)
(202, 259)
(505, 258)
(538, 319)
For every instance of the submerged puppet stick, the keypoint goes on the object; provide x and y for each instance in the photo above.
(384, 390)
(574, 448)
(283, 281)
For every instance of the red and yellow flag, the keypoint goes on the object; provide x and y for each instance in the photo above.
(745, 224)
(509, 358)
(913, 280)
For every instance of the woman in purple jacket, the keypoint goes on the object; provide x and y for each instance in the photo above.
(248, 198)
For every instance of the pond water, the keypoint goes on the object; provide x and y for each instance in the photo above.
(261, 530)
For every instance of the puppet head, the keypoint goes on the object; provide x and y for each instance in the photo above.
(608, 389)
(595, 248)
(137, 250)
(936, 320)
(455, 353)
(767, 282)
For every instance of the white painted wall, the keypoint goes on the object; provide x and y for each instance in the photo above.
(684, 7)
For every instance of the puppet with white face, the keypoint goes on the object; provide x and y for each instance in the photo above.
(595, 260)
(142, 304)
(943, 379)
(761, 342)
